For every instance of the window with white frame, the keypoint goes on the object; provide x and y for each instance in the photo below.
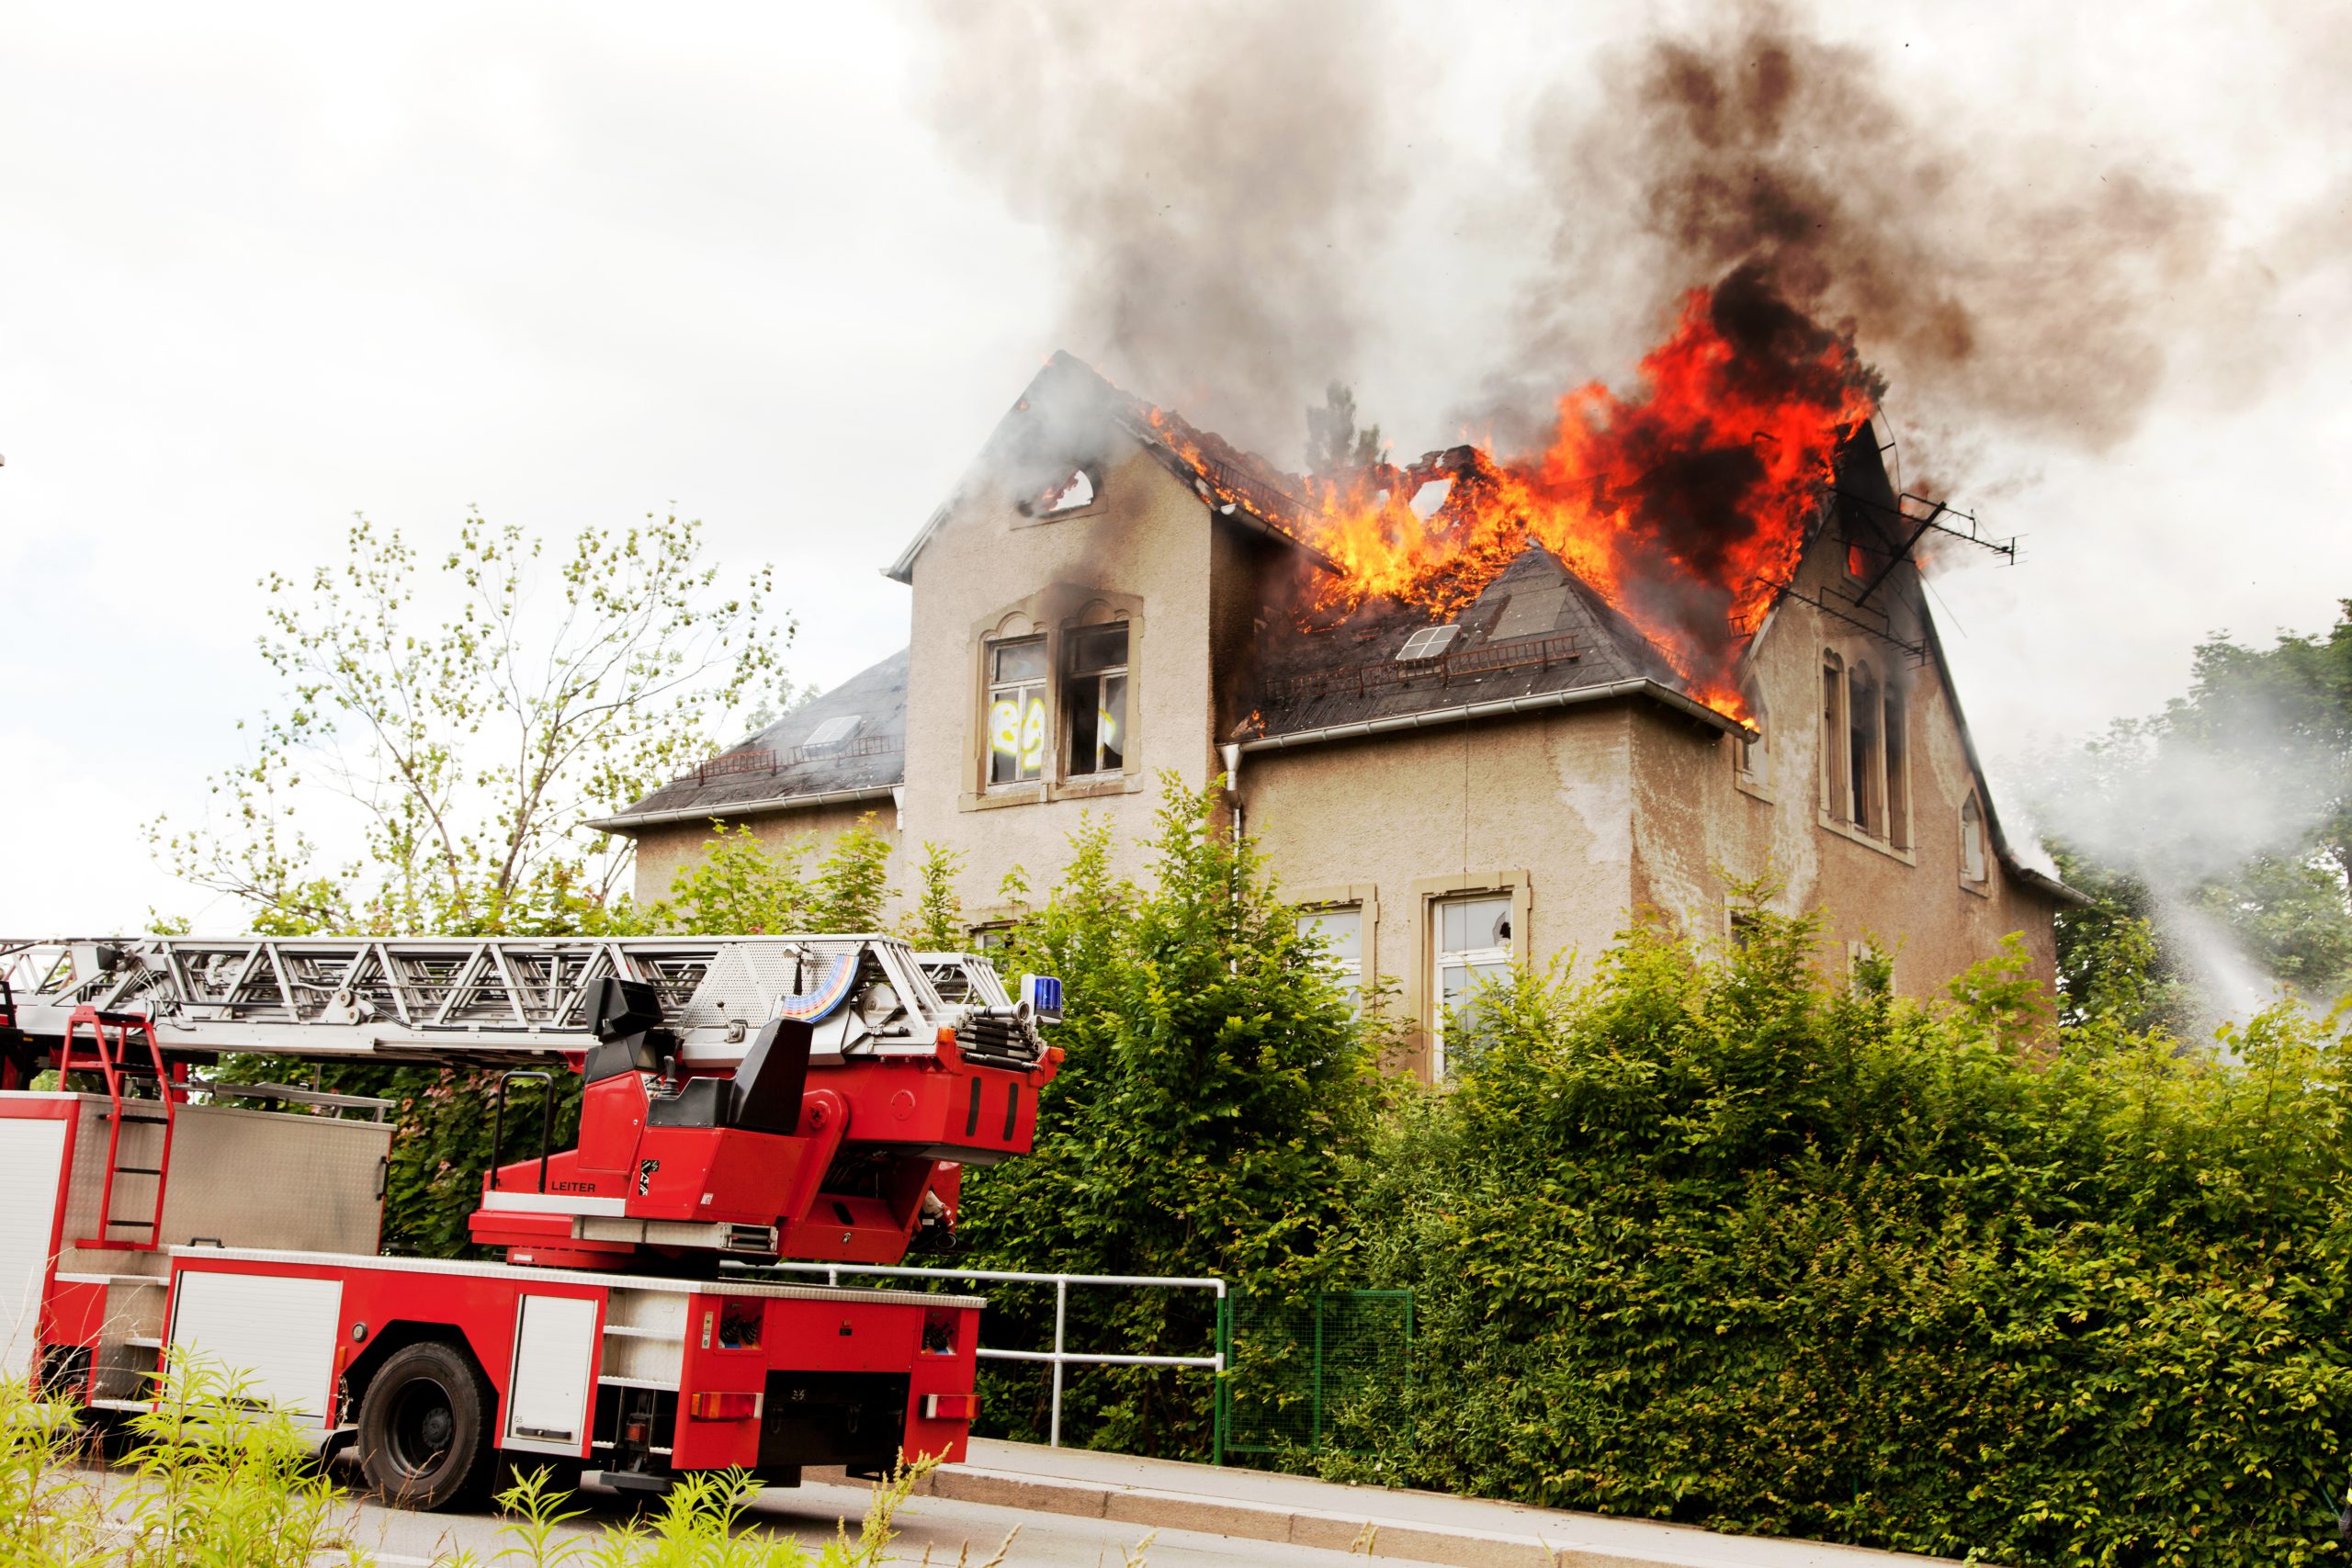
(1470, 945)
(1016, 711)
(1428, 642)
(1094, 696)
(1340, 928)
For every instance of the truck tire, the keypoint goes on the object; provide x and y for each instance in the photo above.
(424, 1438)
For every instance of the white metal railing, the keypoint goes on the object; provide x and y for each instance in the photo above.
(1060, 1356)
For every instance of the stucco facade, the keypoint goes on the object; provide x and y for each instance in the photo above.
(1556, 778)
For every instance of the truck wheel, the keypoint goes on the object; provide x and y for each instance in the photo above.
(424, 1428)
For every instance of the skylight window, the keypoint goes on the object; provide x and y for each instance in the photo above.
(1427, 643)
(833, 731)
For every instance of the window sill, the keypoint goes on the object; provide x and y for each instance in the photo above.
(1094, 508)
(1753, 788)
(1852, 834)
(1981, 889)
(1090, 788)
(1091, 785)
(1003, 794)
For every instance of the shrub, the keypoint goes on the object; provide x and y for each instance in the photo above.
(1709, 1240)
(1212, 1084)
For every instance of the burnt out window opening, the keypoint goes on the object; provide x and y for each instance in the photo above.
(1865, 753)
(1753, 761)
(1971, 839)
(1016, 729)
(1074, 492)
(1095, 696)
(1865, 795)
(1340, 927)
(1897, 745)
(1834, 778)
(1470, 945)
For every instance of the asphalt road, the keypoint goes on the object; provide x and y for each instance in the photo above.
(931, 1529)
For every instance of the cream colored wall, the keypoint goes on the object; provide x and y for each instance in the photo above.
(1143, 550)
(664, 852)
(1698, 824)
(1539, 806)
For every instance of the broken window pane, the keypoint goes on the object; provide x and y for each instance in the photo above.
(1096, 699)
(1074, 490)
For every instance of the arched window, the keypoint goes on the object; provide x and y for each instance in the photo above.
(1971, 839)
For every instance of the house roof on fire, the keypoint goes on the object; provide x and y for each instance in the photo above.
(1538, 635)
(1067, 407)
(849, 744)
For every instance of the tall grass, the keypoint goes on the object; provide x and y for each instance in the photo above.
(213, 1477)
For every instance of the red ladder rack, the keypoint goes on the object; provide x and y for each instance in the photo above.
(110, 1055)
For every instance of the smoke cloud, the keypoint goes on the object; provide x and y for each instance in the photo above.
(2000, 281)
(1221, 180)
(1211, 176)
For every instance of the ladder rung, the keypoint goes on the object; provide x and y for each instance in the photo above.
(137, 1170)
(151, 1121)
(142, 1225)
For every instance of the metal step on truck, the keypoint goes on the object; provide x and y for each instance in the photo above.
(745, 1098)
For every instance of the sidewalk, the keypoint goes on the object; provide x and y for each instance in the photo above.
(1416, 1527)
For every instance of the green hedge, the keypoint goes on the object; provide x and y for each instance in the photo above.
(1712, 1241)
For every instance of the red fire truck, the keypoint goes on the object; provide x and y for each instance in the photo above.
(746, 1099)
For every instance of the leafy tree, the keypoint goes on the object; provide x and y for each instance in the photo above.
(551, 688)
(475, 714)
(1213, 1083)
(936, 921)
(739, 886)
(1334, 444)
(2230, 808)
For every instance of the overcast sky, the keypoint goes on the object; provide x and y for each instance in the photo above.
(262, 269)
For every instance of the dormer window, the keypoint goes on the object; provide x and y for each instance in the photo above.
(1427, 643)
(833, 731)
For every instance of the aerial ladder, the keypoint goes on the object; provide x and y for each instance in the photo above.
(746, 1101)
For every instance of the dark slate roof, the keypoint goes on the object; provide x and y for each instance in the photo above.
(1536, 631)
(779, 768)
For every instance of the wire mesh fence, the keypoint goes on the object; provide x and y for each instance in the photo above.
(1296, 1364)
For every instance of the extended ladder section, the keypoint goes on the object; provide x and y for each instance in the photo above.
(146, 1156)
(488, 1000)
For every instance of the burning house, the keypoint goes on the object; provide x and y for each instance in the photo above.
(1474, 710)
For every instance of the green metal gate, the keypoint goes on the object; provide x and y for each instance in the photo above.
(1293, 1364)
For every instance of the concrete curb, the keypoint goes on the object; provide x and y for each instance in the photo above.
(1363, 1533)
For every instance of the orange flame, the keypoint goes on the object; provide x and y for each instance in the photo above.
(1685, 506)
